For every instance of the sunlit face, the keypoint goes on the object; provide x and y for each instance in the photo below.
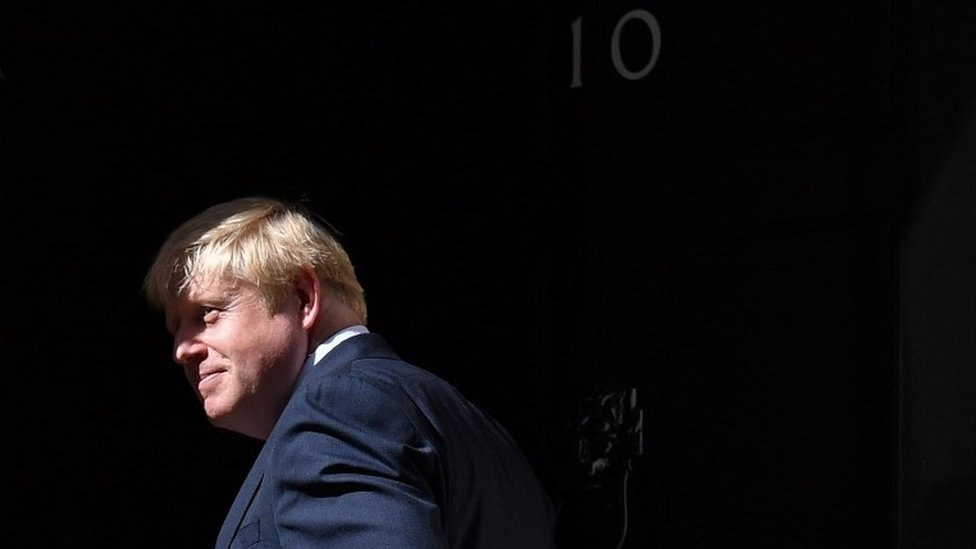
(241, 358)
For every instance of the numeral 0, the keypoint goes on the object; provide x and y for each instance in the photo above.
(618, 62)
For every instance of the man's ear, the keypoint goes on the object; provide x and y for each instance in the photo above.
(310, 294)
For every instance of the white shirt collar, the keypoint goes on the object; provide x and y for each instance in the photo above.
(335, 339)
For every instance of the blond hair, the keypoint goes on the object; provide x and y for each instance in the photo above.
(262, 242)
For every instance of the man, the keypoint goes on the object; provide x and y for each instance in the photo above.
(362, 449)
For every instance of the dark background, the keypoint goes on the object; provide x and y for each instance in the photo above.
(769, 239)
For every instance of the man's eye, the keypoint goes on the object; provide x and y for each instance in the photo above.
(210, 314)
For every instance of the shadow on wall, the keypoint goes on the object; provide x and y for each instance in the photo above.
(948, 516)
(938, 88)
(939, 93)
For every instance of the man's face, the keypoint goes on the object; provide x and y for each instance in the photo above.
(241, 357)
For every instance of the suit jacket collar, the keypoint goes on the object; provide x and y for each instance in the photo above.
(368, 345)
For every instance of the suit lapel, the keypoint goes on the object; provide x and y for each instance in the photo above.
(243, 501)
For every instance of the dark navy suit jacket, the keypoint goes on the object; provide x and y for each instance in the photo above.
(373, 452)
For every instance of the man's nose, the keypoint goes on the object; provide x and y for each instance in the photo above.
(187, 348)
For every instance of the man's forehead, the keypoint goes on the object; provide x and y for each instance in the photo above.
(211, 288)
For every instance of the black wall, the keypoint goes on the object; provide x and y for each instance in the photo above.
(767, 239)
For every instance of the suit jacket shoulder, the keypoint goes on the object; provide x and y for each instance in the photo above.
(372, 451)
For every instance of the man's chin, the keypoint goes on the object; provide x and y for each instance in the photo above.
(219, 413)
